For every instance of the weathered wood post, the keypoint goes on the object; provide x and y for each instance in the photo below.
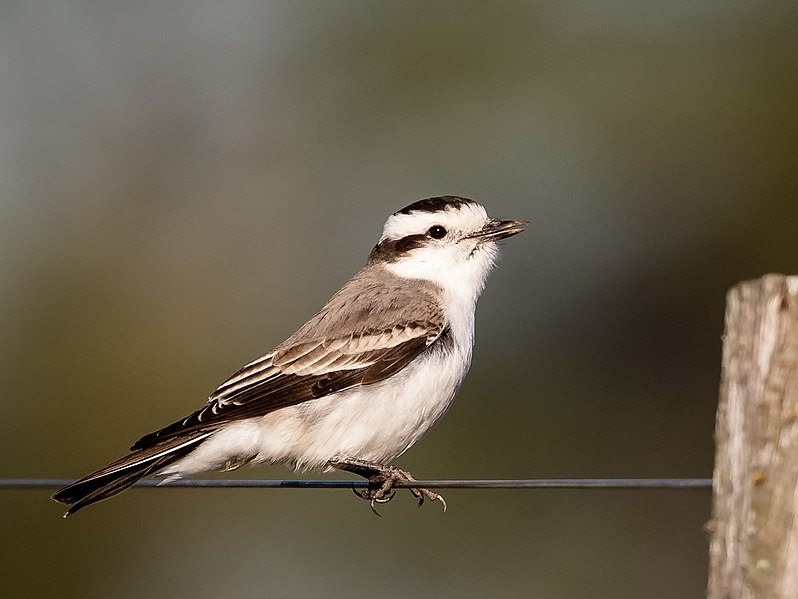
(754, 532)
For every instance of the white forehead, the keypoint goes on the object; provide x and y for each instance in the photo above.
(466, 217)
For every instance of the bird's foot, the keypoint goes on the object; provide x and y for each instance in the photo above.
(381, 483)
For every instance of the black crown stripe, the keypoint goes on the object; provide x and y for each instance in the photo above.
(438, 204)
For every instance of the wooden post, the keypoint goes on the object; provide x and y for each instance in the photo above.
(754, 532)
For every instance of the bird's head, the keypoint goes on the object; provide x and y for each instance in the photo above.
(449, 240)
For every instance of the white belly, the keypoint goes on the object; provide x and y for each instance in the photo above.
(376, 423)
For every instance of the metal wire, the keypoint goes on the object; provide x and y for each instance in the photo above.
(544, 483)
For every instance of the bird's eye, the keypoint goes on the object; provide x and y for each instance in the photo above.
(437, 232)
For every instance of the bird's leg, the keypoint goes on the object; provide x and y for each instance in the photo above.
(381, 481)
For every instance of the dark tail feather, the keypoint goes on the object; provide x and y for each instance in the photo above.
(125, 472)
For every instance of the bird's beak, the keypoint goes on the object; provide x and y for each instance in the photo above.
(496, 229)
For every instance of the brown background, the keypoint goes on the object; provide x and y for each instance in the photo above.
(182, 185)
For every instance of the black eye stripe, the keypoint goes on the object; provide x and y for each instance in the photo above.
(393, 249)
(390, 250)
(411, 242)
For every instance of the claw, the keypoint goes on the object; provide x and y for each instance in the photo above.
(380, 483)
(360, 493)
(422, 494)
(385, 499)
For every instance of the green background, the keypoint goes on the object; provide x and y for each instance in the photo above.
(182, 184)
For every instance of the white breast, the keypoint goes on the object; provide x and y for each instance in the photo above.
(376, 422)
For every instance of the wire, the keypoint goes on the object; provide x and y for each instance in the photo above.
(544, 483)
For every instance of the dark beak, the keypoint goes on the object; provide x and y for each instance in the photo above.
(496, 229)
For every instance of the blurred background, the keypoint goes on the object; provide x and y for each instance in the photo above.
(183, 184)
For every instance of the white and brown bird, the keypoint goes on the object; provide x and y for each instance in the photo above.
(357, 384)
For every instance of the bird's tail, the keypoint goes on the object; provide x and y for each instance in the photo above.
(126, 471)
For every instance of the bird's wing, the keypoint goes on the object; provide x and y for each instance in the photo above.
(309, 369)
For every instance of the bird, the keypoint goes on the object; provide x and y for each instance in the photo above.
(355, 386)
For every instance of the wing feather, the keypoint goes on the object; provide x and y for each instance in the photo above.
(328, 354)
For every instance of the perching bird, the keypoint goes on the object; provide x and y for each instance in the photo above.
(357, 384)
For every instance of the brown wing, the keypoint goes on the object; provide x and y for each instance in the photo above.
(372, 328)
(303, 372)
